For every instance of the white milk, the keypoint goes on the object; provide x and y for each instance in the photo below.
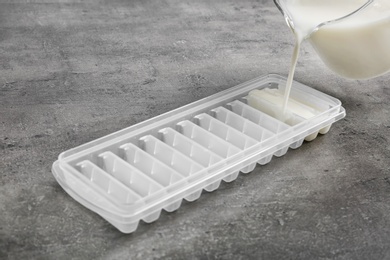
(356, 47)
(269, 101)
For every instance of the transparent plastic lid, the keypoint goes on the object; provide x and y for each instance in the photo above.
(133, 174)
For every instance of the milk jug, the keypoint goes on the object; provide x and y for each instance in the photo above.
(352, 37)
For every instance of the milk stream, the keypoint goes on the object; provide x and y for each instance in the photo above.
(355, 46)
(291, 73)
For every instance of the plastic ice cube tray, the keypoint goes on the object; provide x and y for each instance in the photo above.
(133, 174)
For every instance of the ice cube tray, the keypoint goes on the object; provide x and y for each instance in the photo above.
(133, 174)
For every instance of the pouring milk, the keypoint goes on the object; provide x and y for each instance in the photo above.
(351, 36)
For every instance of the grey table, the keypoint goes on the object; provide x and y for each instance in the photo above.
(73, 71)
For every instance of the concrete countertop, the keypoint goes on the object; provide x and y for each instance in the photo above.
(73, 71)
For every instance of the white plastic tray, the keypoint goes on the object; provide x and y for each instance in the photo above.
(134, 173)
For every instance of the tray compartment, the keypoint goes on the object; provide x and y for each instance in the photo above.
(102, 180)
(129, 175)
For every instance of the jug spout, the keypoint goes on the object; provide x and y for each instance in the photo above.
(350, 36)
(307, 16)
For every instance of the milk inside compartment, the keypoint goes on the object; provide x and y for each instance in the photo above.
(133, 174)
(300, 106)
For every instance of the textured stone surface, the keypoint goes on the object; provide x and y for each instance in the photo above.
(73, 71)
